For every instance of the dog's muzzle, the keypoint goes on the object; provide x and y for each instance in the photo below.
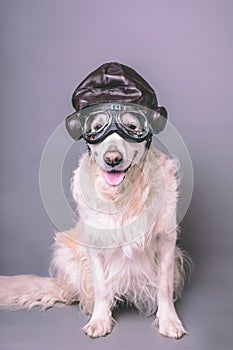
(113, 168)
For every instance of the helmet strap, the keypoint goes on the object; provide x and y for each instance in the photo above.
(88, 148)
(148, 141)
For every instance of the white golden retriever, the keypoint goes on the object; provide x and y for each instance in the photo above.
(124, 245)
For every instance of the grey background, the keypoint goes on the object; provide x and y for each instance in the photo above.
(184, 49)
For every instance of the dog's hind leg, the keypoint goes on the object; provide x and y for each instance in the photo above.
(70, 265)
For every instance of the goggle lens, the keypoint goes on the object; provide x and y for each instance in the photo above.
(95, 122)
(133, 122)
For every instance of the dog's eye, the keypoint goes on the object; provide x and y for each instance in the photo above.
(131, 126)
(97, 127)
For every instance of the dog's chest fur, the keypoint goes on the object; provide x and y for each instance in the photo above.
(137, 209)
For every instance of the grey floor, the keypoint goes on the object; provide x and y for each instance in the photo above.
(209, 324)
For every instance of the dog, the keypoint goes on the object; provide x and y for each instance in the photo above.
(123, 247)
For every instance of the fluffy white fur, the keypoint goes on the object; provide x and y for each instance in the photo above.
(122, 248)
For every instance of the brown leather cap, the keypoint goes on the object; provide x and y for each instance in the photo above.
(114, 82)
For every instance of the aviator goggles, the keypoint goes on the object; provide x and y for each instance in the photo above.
(100, 121)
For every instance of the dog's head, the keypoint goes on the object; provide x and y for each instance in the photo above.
(117, 136)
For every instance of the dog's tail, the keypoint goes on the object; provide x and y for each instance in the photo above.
(27, 291)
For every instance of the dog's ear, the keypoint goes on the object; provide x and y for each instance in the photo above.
(74, 126)
(158, 119)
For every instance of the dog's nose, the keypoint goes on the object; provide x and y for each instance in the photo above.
(113, 158)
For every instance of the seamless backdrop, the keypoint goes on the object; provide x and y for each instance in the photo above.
(184, 50)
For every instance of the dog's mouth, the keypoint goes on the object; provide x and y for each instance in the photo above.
(115, 177)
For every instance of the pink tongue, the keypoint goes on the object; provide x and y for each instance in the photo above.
(114, 179)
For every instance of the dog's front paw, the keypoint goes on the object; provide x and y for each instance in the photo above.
(170, 327)
(98, 327)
